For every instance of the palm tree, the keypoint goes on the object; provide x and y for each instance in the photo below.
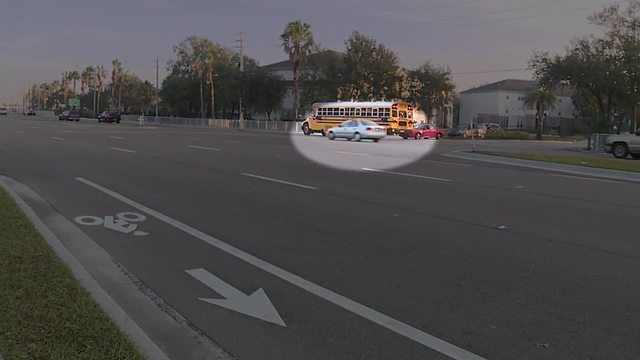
(66, 76)
(45, 92)
(86, 79)
(298, 43)
(543, 99)
(74, 75)
(101, 74)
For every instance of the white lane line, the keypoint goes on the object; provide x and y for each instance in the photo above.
(350, 153)
(368, 313)
(18, 131)
(447, 163)
(57, 138)
(66, 131)
(120, 149)
(33, 127)
(116, 137)
(587, 178)
(203, 148)
(280, 181)
(409, 175)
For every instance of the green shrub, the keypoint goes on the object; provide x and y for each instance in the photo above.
(501, 134)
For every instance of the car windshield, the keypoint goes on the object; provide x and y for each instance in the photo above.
(368, 123)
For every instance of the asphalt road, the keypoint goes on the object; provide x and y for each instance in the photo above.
(462, 257)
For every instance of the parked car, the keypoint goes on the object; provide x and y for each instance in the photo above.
(455, 132)
(479, 131)
(109, 117)
(624, 145)
(3, 111)
(423, 131)
(69, 115)
(493, 127)
(30, 112)
(357, 130)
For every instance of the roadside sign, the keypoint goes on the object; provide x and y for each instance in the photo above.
(74, 103)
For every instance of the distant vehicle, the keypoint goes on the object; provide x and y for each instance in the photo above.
(491, 127)
(624, 145)
(395, 116)
(455, 132)
(423, 131)
(69, 115)
(30, 112)
(109, 117)
(3, 111)
(479, 131)
(357, 130)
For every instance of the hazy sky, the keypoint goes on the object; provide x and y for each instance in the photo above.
(39, 39)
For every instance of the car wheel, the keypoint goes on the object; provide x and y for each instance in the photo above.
(620, 151)
(465, 135)
(77, 119)
(438, 136)
(376, 140)
(357, 137)
(332, 136)
(635, 156)
(418, 136)
(117, 121)
(305, 129)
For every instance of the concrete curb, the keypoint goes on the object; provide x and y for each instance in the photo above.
(151, 312)
(542, 165)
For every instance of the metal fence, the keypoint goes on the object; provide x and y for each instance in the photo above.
(276, 126)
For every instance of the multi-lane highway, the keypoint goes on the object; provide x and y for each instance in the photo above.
(438, 258)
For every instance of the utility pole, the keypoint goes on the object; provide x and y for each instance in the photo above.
(241, 65)
(157, 86)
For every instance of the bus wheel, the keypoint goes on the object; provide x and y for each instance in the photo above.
(305, 129)
(323, 133)
(389, 132)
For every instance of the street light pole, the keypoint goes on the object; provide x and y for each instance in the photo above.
(157, 85)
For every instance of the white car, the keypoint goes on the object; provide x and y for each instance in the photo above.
(357, 130)
(3, 111)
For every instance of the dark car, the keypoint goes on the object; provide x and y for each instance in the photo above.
(109, 117)
(69, 115)
(30, 112)
(455, 132)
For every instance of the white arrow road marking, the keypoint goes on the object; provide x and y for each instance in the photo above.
(364, 311)
(57, 138)
(280, 181)
(256, 305)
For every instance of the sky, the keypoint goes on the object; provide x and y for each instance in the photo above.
(476, 39)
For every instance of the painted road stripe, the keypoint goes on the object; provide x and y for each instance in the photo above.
(116, 137)
(33, 127)
(587, 178)
(203, 148)
(280, 181)
(57, 138)
(123, 150)
(447, 163)
(18, 131)
(350, 153)
(66, 131)
(409, 175)
(374, 316)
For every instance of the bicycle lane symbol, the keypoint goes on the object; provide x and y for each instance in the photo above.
(123, 222)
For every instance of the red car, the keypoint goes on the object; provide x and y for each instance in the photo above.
(423, 131)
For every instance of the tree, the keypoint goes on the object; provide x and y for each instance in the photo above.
(543, 99)
(45, 92)
(430, 87)
(101, 75)
(180, 95)
(66, 76)
(74, 75)
(371, 70)
(298, 43)
(116, 76)
(265, 92)
(88, 78)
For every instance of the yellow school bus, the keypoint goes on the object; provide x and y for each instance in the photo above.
(396, 116)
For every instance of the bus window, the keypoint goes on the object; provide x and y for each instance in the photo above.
(394, 113)
(336, 111)
(385, 112)
(410, 114)
(352, 111)
(403, 114)
(369, 112)
(375, 113)
(341, 112)
(357, 112)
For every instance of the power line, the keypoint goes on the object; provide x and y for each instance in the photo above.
(490, 71)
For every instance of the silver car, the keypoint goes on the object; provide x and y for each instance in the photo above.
(357, 130)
